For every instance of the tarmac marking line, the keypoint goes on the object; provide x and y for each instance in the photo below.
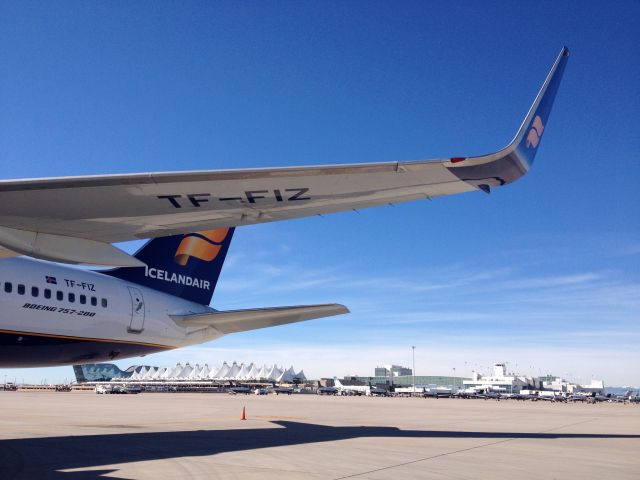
(462, 450)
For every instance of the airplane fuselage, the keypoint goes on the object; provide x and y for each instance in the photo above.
(52, 314)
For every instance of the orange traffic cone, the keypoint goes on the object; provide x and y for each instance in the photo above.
(244, 414)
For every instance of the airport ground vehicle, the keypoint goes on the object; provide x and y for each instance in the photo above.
(103, 389)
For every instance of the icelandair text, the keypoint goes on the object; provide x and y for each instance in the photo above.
(176, 278)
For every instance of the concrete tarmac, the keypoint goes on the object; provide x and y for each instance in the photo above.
(73, 435)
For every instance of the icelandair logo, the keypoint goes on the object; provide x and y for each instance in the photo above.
(180, 279)
(202, 245)
(533, 138)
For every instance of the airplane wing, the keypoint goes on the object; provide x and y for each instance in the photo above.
(75, 219)
(242, 320)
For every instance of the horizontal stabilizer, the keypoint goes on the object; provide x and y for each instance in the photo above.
(242, 320)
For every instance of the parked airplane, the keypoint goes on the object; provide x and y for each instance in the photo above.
(351, 389)
(378, 392)
(239, 390)
(283, 390)
(158, 299)
(327, 391)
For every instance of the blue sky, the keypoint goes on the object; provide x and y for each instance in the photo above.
(543, 274)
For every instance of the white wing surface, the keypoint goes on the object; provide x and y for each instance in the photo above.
(242, 320)
(75, 219)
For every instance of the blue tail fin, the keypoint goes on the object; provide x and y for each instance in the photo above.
(187, 266)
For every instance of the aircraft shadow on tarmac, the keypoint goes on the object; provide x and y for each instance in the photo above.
(44, 458)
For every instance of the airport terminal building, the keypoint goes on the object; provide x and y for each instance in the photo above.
(200, 374)
(388, 377)
(391, 376)
(501, 381)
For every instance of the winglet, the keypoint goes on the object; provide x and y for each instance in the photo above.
(514, 161)
(530, 133)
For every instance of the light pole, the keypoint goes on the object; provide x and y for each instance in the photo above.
(413, 369)
(454, 377)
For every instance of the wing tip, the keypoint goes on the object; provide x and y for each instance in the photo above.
(514, 161)
(341, 309)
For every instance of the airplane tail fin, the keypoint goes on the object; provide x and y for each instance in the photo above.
(187, 266)
(336, 382)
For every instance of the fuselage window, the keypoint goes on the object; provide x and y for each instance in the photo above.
(8, 286)
(72, 297)
(83, 299)
(21, 289)
(94, 301)
(104, 303)
(47, 293)
(34, 291)
(59, 296)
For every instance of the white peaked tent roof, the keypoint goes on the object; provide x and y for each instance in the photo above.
(274, 373)
(150, 373)
(214, 371)
(255, 372)
(221, 372)
(243, 374)
(236, 368)
(264, 372)
(195, 373)
(287, 375)
(204, 372)
(184, 373)
(233, 371)
(171, 372)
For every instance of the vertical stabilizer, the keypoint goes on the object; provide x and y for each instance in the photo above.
(187, 266)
